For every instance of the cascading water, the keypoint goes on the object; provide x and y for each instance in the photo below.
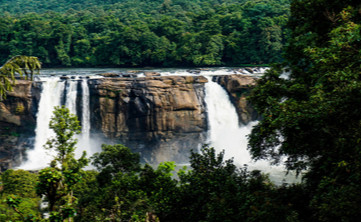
(39, 157)
(84, 138)
(224, 130)
(226, 134)
(85, 109)
(71, 94)
(52, 93)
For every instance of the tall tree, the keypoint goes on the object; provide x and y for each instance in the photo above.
(312, 110)
(57, 181)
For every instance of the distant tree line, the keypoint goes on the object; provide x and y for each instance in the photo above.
(144, 33)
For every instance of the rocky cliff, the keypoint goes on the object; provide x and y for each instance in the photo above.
(17, 122)
(160, 117)
(238, 88)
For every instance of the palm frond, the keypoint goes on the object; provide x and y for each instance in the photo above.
(17, 65)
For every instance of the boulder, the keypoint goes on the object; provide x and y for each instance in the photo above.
(238, 88)
(109, 74)
(151, 74)
(248, 69)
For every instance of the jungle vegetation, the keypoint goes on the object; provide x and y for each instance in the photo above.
(159, 33)
(18, 66)
(310, 105)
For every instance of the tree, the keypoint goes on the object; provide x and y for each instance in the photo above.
(114, 159)
(134, 33)
(18, 199)
(216, 190)
(21, 65)
(123, 190)
(57, 181)
(312, 113)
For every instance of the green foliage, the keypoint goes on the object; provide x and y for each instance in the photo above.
(114, 159)
(17, 65)
(18, 182)
(57, 181)
(313, 116)
(123, 190)
(18, 200)
(215, 190)
(144, 33)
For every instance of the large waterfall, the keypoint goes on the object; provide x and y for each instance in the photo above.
(84, 138)
(52, 95)
(225, 132)
(39, 157)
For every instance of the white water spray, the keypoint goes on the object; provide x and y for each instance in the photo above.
(84, 138)
(39, 157)
(224, 130)
(71, 94)
(225, 133)
(53, 90)
(85, 109)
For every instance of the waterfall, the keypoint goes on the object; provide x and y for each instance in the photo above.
(85, 109)
(224, 130)
(84, 138)
(50, 96)
(226, 134)
(71, 94)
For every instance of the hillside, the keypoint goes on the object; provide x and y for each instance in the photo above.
(144, 33)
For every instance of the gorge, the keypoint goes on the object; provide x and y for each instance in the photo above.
(160, 114)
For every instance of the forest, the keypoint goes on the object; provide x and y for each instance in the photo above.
(144, 33)
(310, 105)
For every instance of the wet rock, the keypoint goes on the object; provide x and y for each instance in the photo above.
(109, 74)
(151, 74)
(194, 71)
(135, 71)
(128, 75)
(17, 122)
(250, 70)
(64, 77)
(239, 87)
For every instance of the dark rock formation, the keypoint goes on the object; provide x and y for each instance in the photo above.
(160, 117)
(238, 87)
(17, 122)
(151, 74)
(110, 74)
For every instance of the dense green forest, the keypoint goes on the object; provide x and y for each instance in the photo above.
(143, 32)
(311, 116)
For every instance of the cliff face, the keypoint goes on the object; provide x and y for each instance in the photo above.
(238, 88)
(156, 116)
(17, 122)
(162, 117)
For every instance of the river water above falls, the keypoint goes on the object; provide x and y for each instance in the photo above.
(70, 87)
